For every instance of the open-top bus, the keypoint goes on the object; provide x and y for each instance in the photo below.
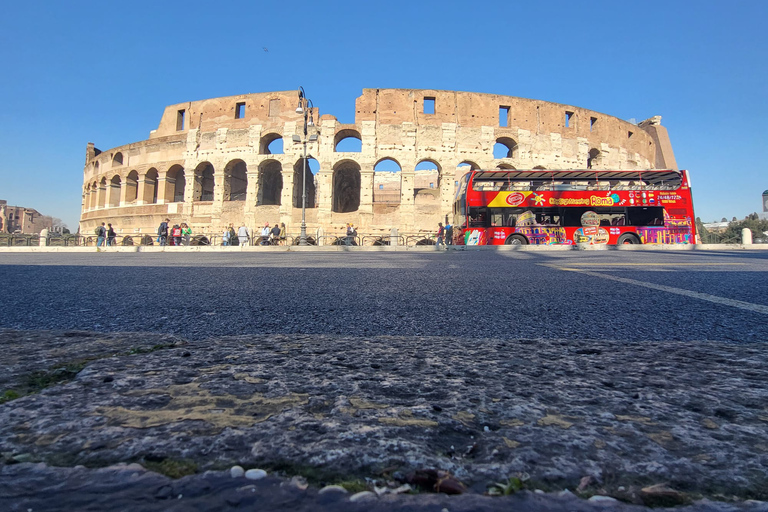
(520, 207)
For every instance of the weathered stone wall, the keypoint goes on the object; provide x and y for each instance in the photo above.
(210, 162)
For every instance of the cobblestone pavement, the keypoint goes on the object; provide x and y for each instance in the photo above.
(593, 416)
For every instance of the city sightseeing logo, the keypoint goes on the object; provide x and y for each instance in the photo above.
(515, 199)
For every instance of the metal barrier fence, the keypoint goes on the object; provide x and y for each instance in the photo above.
(138, 239)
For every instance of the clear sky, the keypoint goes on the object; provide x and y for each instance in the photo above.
(80, 71)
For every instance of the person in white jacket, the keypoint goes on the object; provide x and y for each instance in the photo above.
(242, 235)
(265, 234)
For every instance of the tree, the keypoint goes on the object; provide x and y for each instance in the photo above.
(724, 220)
(754, 223)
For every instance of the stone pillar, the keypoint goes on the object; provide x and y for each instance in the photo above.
(101, 198)
(252, 173)
(43, 238)
(324, 191)
(366, 191)
(162, 189)
(746, 236)
(218, 187)
(286, 194)
(124, 192)
(142, 190)
(393, 238)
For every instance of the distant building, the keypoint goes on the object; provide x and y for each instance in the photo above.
(764, 214)
(716, 227)
(18, 219)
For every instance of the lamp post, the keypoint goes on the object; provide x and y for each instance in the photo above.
(304, 107)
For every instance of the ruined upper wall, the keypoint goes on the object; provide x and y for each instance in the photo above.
(270, 109)
(470, 109)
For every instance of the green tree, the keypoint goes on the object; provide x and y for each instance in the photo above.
(752, 222)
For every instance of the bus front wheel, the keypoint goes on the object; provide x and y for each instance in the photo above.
(516, 240)
(628, 238)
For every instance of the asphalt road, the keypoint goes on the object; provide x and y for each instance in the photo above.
(619, 295)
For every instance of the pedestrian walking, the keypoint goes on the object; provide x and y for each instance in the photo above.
(101, 234)
(448, 234)
(242, 235)
(440, 234)
(186, 233)
(162, 232)
(111, 235)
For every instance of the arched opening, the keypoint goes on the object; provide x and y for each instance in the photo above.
(113, 192)
(204, 182)
(298, 183)
(150, 186)
(387, 181)
(176, 182)
(540, 167)
(271, 144)
(346, 187)
(132, 187)
(426, 183)
(270, 183)
(593, 160)
(506, 166)
(235, 181)
(348, 141)
(117, 159)
(505, 147)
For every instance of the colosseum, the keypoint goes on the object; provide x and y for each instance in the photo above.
(240, 159)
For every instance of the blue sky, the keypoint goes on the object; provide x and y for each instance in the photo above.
(80, 71)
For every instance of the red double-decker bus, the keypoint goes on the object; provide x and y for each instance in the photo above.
(520, 207)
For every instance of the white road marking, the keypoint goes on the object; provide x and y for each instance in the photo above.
(749, 306)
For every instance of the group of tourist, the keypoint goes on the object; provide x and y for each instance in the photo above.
(444, 235)
(105, 234)
(179, 234)
(269, 236)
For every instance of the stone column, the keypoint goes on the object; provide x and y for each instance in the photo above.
(366, 191)
(101, 198)
(286, 196)
(124, 192)
(162, 189)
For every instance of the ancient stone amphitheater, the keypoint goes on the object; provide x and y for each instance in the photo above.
(235, 160)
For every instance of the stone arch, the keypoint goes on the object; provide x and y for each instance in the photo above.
(506, 166)
(540, 167)
(117, 159)
(505, 147)
(346, 187)
(113, 191)
(204, 183)
(427, 179)
(298, 167)
(346, 138)
(593, 160)
(235, 181)
(150, 186)
(94, 194)
(387, 181)
(266, 141)
(175, 182)
(132, 187)
(96, 166)
(270, 183)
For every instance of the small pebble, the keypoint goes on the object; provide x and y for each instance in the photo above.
(486, 429)
(332, 488)
(255, 474)
(237, 472)
(604, 499)
(362, 495)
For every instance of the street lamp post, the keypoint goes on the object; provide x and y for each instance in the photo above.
(305, 107)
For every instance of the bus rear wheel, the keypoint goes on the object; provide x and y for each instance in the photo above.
(516, 240)
(628, 238)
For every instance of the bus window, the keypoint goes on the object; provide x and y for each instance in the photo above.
(478, 218)
(646, 216)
